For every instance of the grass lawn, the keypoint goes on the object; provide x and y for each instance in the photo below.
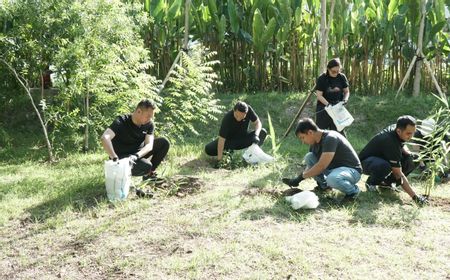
(56, 222)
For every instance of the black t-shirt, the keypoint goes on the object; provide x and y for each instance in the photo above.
(231, 128)
(326, 83)
(344, 154)
(129, 137)
(386, 145)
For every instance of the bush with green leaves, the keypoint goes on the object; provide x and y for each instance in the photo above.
(188, 98)
(105, 66)
(97, 55)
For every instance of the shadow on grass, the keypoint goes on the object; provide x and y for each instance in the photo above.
(281, 210)
(80, 198)
(369, 213)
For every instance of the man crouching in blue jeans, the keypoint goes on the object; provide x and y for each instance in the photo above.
(332, 161)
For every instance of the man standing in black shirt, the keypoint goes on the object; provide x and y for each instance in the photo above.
(387, 161)
(132, 136)
(233, 134)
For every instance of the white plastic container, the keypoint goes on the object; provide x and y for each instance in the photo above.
(304, 200)
(117, 179)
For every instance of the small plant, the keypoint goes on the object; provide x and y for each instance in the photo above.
(231, 161)
(272, 136)
(435, 146)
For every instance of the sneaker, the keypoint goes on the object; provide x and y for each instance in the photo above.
(391, 187)
(152, 176)
(350, 198)
(371, 188)
(144, 193)
(319, 189)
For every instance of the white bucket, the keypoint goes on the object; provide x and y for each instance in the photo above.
(117, 179)
(304, 200)
(254, 154)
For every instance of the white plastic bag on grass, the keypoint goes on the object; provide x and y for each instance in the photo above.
(254, 154)
(117, 179)
(304, 200)
(340, 115)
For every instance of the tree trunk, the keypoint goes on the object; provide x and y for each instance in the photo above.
(44, 128)
(417, 76)
(86, 128)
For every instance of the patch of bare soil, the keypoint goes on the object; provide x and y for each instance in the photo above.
(271, 192)
(251, 192)
(178, 185)
(441, 202)
(196, 164)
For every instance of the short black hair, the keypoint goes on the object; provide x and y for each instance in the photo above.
(304, 125)
(404, 121)
(146, 104)
(241, 107)
(333, 63)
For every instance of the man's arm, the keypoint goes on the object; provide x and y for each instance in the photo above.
(106, 138)
(220, 146)
(258, 126)
(398, 174)
(148, 145)
(324, 160)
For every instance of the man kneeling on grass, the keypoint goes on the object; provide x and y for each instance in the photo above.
(332, 161)
(132, 136)
(233, 134)
(386, 159)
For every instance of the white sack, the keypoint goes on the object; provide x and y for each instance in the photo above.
(254, 154)
(117, 179)
(340, 115)
(304, 200)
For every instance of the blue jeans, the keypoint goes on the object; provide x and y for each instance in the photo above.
(341, 178)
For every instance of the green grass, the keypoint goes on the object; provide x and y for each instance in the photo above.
(55, 220)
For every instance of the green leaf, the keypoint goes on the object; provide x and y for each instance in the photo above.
(268, 32)
(436, 28)
(174, 10)
(221, 28)
(392, 8)
(258, 30)
(234, 20)
(370, 14)
(156, 8)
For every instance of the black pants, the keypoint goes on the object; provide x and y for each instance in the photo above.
(324, 121)
(144, 166)
(379, 170)
(235, 143)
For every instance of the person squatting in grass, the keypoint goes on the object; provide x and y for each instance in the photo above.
(132, 135)
(332, 161)
(234, 134)
(331, 88)
(387, 160)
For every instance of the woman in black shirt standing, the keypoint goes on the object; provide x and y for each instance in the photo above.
(331, 88)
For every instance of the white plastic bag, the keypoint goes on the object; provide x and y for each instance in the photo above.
(254, 154)
(304, 200)
(340, 115)
(117, 179)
